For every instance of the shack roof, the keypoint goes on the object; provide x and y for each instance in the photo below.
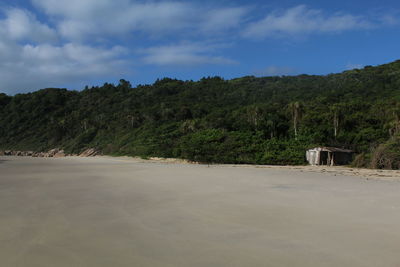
(332, 149)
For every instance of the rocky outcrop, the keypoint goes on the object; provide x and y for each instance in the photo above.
(53, 153)
(56, 153)
(91, 152)
(16, 153)
(60, 154)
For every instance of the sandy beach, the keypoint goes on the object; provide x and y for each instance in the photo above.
(106, 211)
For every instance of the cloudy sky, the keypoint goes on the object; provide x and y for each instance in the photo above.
(73, 43)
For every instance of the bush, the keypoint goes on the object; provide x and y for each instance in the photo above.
(387, 155)
(203, 146)
(361, 161)
(284, 152)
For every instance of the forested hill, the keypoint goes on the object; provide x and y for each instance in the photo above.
(270, 120)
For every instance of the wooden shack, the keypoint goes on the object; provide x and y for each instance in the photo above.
(329, 156)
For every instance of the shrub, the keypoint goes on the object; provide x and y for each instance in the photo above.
(361, 161)
(387, 155)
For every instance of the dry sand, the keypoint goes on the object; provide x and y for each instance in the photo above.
(123, 212)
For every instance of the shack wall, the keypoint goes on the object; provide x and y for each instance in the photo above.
(343, 158)
(328, 156)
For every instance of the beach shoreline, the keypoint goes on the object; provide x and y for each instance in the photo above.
(376, 174)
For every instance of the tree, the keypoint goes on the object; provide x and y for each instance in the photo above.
(394, 124)
(336, 111)
(254, 116)
(296, 110)
(124, 84)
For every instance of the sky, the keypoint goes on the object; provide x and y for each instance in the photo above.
(74, 43)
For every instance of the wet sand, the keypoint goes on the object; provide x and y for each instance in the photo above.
(120, 212)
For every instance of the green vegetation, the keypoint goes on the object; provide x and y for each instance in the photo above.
(270, 120)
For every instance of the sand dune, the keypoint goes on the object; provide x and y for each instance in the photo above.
(123, 212)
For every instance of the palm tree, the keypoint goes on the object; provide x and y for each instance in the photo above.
(394, 124)
(296, 110)
(336, 110)
(131, 119)
(271, 124)
(254, 116)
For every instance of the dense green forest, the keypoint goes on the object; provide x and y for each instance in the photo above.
(269, 120)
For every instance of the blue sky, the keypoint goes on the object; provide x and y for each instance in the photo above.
(73, 43)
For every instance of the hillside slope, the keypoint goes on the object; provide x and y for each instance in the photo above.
(269, 120)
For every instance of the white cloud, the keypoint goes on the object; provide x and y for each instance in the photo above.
(63, 41)
(302, 20)
(79, 20)
(390, 19)
(276, 71)
(183, 54)
(34, 55)
(77, 8)
(351, 66)
(28, 67)
(22, 25)
(224, 19)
